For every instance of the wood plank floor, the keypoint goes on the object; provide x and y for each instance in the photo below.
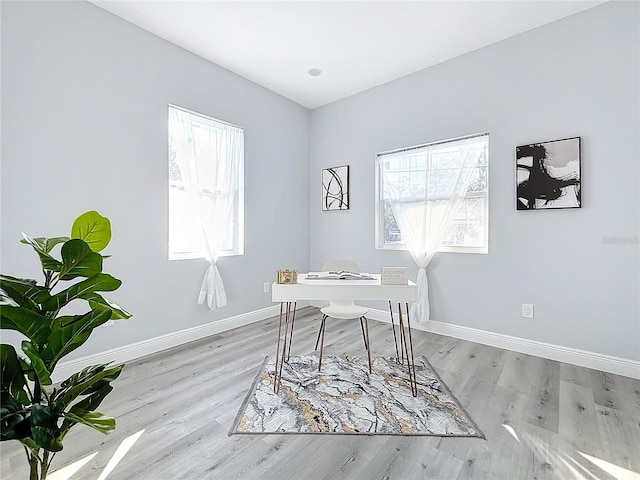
(542, 419)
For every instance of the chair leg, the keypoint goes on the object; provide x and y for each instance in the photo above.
(364, 337)
(368, 343)
(324, 319)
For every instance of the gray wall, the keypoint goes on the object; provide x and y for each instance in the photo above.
(84, 107)
(84, 126)
(579, 267)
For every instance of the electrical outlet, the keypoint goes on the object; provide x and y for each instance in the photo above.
(527, 310)
(109, 323)
(266, 287)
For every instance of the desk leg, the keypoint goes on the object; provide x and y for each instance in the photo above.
(293, 320)
(411, 364)
(287, 322)
(395, 338)
(406, 346)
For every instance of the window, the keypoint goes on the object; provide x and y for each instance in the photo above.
(206, 186)
(420, 170)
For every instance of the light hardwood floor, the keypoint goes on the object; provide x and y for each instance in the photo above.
(542, 419)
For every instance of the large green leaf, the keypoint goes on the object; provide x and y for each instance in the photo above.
(15, 421)
(46, 244)
(93, 401)
(6, 300)
(48, 262)
(26, 367)
(31, 324)
(94, 420)
(44, 427)
(98, 301)
(37, 363)
(68, 333)
(94, 229)
(100, 282)
(78, 260)
(25, 292)
(28, 442)
(85, 382)
(87, 404)
(11, 374)
(80, 377)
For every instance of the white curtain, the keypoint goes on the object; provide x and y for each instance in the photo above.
(424, 194)
(209, 155)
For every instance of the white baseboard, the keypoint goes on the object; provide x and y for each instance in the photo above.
(136, 350)
(127, 353)
(582, 358)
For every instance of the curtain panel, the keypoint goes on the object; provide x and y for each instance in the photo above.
(425, 186)
(209, 155)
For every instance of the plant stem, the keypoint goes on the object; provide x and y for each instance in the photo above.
(29, 389)
(45, 465)
(37, 391)
(26, 450)
(53, 454)
(33, 464)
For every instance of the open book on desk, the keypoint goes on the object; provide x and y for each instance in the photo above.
(341, 275)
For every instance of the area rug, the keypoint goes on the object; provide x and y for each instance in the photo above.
(344, 398)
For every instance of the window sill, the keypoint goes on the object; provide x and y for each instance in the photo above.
(475, 250)
(195, 256)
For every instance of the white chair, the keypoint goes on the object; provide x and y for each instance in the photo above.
(343, 309)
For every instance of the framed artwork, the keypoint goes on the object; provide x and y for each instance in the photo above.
(548, 175)
(335, 188)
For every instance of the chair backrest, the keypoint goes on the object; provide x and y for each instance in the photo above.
(341, 264)
(344, 309)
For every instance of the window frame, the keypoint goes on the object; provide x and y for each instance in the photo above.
(237, 232)
(380, 243)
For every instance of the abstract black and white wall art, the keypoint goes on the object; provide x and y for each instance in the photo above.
(548, 175)
(335, 188)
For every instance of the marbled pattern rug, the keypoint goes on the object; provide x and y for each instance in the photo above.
(345, 398)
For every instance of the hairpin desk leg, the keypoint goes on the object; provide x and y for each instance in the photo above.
(395, 338)
(289, 315)
(293, 320)
(406, 345)
(275, 373)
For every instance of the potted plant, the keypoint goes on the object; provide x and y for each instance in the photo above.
(33, 410)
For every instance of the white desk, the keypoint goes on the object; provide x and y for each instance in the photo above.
(342, 290)
(288, 294)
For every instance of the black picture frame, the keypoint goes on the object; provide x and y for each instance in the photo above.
(335, 188)
(548, 175)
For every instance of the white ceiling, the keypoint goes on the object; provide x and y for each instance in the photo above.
(357, 44)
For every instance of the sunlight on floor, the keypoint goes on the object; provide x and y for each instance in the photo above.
(67, 472)
(566, 463)
(553, 457)
(561, 462)
(614, 470)
(511, 431)
(119, 454)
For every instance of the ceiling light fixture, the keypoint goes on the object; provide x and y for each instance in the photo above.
(315, 72)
